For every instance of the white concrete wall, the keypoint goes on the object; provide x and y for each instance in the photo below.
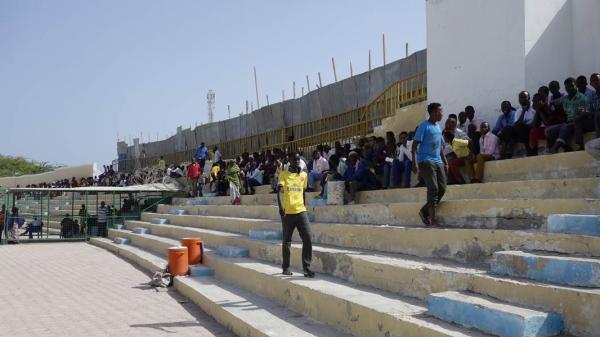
(548, 52)
(81, 171)
(474, 53)
(586, 36)
(483, 52)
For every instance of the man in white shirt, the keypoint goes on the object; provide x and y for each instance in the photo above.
(402, 166)
(320, 165)
(255, 178)
(217, 155)
(519, 131)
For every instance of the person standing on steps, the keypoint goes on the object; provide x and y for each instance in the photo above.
(293, 183)
(427, 152)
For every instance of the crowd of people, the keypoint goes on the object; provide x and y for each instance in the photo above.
(560, 118)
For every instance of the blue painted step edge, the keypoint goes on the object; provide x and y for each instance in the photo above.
(483, 315)
(141, 230)
(159, 221)
(122, 241)
(179, 212)
(574, 224)
(200, 270)
(232, 251)
(265, 234)
(573, 271)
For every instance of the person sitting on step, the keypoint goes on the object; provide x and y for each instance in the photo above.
(490, 150)
(319, 165)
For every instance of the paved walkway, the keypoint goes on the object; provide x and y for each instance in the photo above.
(75, 289)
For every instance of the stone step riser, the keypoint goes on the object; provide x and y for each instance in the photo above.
(473, 246)
(533, 189)
(577, 272)
(335, 311)
(574, 224)
(493, 317)
(409, 281)
(479, 213)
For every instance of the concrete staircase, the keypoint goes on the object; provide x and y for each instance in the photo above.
(504, 267)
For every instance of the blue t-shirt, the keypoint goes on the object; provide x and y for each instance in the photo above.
(201, 152)
(429, 136)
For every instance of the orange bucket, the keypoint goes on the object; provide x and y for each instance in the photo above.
(178, 261)
(195, 249)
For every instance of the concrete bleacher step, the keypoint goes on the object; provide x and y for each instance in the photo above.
(538, 189)
(265, 234)
(574, 224)
(492, 316)
(474, 213)
(122, 241)
(565, 270)
(359, 310)
(244, 313)
(159, 221)
(200, 270)
(403, 274)
(472, 246)
(232, 251)
(140, 230)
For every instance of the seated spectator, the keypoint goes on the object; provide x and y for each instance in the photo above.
(358, 176)
(214, 172)
(391, 156)
(473, 125)
(519, 131)
(34, 226)
(68, 227)
(162, 164)
(488, 143)
(332, 174)
(253, 179)
(222, 183)
(582, 87)
(462, 121)
(319, 165)
(461, 156)
(504, 121)
(544, 118)
(595, 102)
(575, 105)
(402, 165)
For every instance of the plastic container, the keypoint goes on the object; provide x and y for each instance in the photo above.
(178, 260)
(195, 249)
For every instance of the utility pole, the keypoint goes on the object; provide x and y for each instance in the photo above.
(351, 72)
(333, 65)
(228, 111)
(383, 41)
(307, 85)
(320, 82)
(406, 49)
(369, 59)
(256, 87)
(282, 95)
(294, 88)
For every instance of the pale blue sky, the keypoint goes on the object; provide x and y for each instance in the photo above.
(74, 74)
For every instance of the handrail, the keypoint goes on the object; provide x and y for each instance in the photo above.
(354, 123)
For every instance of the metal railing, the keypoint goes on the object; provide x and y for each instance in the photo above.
(346, 126)
(46, 216)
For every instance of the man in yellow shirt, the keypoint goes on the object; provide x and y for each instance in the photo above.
(293, 182)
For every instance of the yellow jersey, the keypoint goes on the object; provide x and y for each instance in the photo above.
(293, 186)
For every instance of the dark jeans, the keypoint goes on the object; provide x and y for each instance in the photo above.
(290, 222)
(584, 124)
(435, 180)
(102, 229)
(250, 184)
(518, 133)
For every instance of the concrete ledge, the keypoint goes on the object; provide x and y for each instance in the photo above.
(160, 221)
(574, 271)
(265, 234)
(232, 251)
(197, 202)
(140, 230)
(119, 226)
(493, 317)
(200, 270)
(178, 211)
(574, 224)
(122, 241)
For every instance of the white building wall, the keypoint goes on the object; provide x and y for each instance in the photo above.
(586, 37)
(483, 52)
(548, 51)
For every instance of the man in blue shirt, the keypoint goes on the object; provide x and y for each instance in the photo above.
(431, 162)
(201, 154)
